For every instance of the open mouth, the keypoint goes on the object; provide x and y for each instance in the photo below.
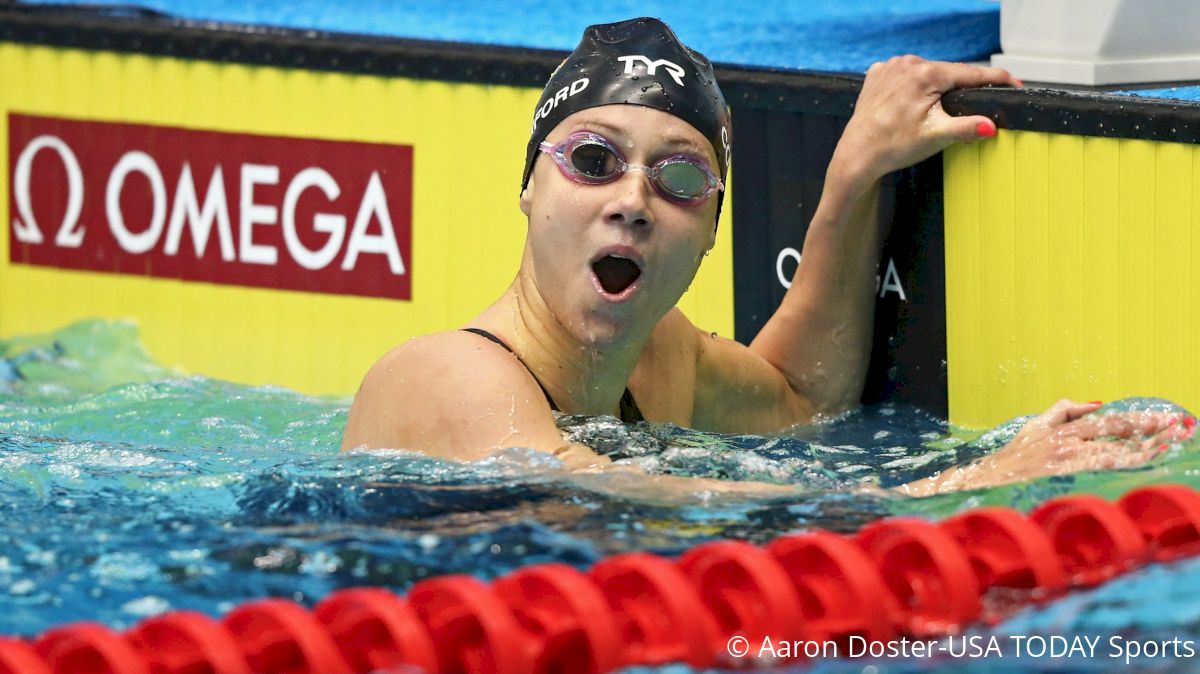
(616, 273)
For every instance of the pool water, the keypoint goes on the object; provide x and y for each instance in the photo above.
(127, 490)
(832, 35)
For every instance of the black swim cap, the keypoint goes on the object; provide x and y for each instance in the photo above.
(639, 62)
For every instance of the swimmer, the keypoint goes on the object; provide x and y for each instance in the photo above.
(623, 185)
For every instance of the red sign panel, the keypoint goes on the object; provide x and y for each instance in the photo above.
(262, 211)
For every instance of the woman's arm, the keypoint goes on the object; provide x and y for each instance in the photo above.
(811, 357)
(1067, 438)
(820, 337)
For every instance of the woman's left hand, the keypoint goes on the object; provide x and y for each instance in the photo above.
(899, 121)
(1067, 438)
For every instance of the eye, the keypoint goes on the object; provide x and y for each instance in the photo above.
(683, 178)
(594, 160)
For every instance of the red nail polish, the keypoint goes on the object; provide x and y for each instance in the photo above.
(985, 129)
(1096, 402)
(1190, 422)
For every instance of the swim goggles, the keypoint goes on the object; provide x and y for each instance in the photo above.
(591, 159)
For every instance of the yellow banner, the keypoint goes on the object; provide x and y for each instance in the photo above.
(467, 146)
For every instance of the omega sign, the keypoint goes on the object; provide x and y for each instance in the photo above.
(263, 211)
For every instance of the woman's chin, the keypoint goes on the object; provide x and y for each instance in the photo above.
(602, 332)
(606, 326)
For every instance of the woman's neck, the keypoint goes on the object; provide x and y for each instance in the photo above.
(581, 376)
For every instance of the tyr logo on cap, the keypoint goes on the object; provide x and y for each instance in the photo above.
(673, 69)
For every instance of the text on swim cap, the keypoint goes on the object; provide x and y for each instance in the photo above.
(673, 69)
(559, 96)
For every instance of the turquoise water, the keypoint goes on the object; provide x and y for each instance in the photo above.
(1172, 93)
(128, 490)
(834, 35)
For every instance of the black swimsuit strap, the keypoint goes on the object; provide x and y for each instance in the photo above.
(628, 407)
(487, 335)
(629, 410)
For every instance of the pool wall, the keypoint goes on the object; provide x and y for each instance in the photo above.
(1070, 253)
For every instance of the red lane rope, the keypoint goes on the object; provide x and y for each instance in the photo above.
(898, 576)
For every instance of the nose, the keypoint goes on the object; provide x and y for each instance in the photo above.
(631, 203)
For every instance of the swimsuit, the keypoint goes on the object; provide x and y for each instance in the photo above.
(629, 411)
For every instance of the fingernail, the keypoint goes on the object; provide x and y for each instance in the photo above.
(1190, 422)
(1020, 82)
(1096, 402)
(985, 129)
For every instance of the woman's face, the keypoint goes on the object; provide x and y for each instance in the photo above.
(610, 260)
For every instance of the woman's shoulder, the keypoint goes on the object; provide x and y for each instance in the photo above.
(675, 335)
(452, 363)
(449, 346)
(443, 393)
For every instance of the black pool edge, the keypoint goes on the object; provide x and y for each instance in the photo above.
(128, 29)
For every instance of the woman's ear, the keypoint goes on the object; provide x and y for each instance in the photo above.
(527, 196)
